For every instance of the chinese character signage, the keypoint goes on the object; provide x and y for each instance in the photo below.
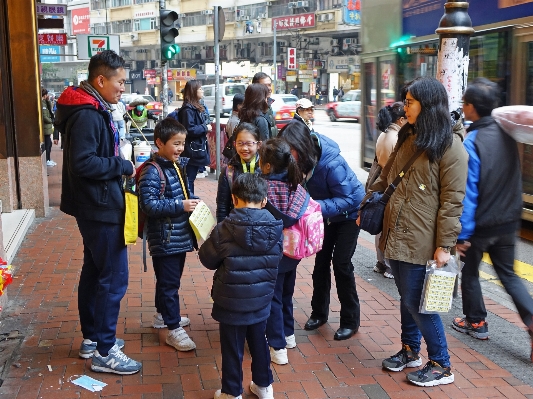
(51, 9)
(49, 53)
(291, 58)
(80, 20)
(182, 74)
(53, 38)
(351, 13)
(150, 76)
(144, 14)
(294, 22)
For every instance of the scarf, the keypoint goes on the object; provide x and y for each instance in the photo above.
(104, 106)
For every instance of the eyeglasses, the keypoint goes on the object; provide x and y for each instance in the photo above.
(408, 102)
(247, 144)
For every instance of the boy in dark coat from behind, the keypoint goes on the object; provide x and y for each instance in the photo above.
(244, 249)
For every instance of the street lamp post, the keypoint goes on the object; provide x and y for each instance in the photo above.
(455, 29)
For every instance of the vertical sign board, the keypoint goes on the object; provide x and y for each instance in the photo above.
(291, 58)
(89, 45)
(351, 13)
(49, 54)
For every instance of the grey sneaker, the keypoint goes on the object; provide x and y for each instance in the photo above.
(431, 375)
(115, 362)
(404, 358)
(158, 321)
(179, 339)
(88, 347)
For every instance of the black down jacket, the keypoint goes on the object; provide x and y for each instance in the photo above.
(169, 231)
(244, 249)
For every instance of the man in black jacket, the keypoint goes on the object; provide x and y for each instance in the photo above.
(92, 193)
(492, 210)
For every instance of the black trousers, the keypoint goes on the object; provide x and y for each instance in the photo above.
(501, 250)
(340, 241)
(168, 271)
(48, 145)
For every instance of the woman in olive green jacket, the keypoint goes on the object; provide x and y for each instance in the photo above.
(422, 221)
(48, 125)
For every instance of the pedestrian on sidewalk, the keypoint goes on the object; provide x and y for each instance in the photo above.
(335, 93)
(330, 181)
(264, 79)
(169, 233)
(288, 200)
(421, 221)
(245, 161)
(92, 192)
(244, 249)
(390, 120)
(492, 211)
(48, 125)
(255, 110)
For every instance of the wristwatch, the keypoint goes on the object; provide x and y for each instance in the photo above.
(446, 249)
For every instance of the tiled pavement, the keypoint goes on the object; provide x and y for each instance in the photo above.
(43, 308)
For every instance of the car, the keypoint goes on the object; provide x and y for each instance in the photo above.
(153, 106)
(348, 107)
(228, 90)
(283, 108)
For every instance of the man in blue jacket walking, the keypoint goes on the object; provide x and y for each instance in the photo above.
(492, 210)
(92, 192)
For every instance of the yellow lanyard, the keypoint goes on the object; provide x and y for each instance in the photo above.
(183, 187)
(252, 166)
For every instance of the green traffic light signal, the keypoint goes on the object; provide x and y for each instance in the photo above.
(167, 33)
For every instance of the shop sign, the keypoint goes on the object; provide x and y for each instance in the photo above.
(421, 17)
(305, 75)
(351, 13)
(80, 20)
(144, 14)
(59, 39)
(136, 75)
(182, 74)
(51, 9)
(344, 64)
(297, 21)
(291, 76)
(291, 58)
(49, 53)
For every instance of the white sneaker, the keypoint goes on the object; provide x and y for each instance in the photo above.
(50, 163)
(262, 392)
(279, 356)
(179, 339)
(291, 342)
(158, 321)
(220, 395)
(200, 175)
(53, 163)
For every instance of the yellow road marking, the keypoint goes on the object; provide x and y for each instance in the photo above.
(522, 270)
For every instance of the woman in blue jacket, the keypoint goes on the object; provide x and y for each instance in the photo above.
(194, 116)
(331, 183)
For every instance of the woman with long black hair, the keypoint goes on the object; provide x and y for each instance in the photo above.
(421, 221)
(255, 108)
(194, 116)
(330, 181)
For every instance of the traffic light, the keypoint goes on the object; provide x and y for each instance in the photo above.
(168, 33)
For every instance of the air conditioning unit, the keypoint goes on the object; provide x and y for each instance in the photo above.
(348, 41)
(207, 12)
(245, 18)
(315, 41)
(203, 48)
(134, 36)
(334, 42)
(261, 44)
(301, 4)
(282, 44)
(321, 17)
(329, 16)
(292, 4)
(263, 16)
(334, 51)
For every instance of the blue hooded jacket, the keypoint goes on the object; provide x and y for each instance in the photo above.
(333, 184)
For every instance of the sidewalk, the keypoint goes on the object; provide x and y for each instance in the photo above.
(43, 309)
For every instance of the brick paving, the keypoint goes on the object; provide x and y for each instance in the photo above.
(43, 304)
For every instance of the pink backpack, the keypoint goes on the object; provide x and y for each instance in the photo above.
(305, 237)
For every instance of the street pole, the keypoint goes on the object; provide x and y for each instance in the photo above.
(455, 29)
(216, 10)
(275, 62)
(164, 73)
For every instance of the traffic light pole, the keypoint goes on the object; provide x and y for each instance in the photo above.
(216, 21)
(455, 28)
(164, 76)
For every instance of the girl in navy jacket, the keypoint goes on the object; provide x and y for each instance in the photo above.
(287, 200)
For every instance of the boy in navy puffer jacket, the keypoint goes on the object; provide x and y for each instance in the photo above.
(169, 234)
(244, 249)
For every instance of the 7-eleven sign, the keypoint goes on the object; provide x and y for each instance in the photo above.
(97, 44)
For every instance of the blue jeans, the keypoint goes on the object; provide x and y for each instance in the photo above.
(192, 171)
(168, 271)
(280, 323)
(232, 347)
(501, 250)
(121, 127)
(103, 281)
(409, 279)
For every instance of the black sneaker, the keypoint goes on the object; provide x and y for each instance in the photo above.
(404, 358)
(380, 267)
(477, 330)
(431, 375)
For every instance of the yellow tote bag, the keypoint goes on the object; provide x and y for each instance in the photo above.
(202, 221)
(131, 221)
